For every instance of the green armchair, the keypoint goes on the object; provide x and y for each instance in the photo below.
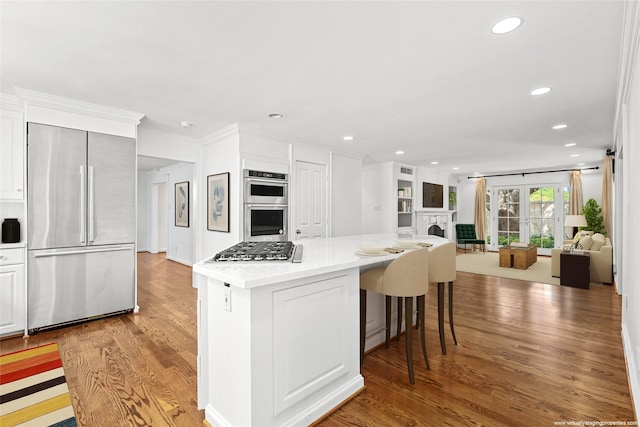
(466, 234)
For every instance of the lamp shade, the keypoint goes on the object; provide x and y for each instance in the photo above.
(575, 221)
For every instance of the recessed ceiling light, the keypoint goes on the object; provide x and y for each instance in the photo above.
(434, 163)
(575, 155)
(348, 138)
(399, 152)
(570, 144)
(560, 126)
(540, 91)
(275, 116)
(580, 164)
(455, 168)
(506, 25)
(186, 124)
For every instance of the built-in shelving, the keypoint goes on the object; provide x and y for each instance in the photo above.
(404, 181)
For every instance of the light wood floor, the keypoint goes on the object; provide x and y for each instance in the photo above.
(528, 354)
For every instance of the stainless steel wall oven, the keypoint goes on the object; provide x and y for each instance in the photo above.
(266, 206)
(266, 187)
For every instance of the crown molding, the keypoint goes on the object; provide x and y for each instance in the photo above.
(11, 102)
(54, 102)
(232, 129)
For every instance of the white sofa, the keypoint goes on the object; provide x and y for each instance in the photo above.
(601, 255)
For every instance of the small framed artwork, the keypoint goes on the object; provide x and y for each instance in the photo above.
(182, 204)
(218, 202)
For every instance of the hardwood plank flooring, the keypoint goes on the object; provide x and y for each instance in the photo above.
(528, 354)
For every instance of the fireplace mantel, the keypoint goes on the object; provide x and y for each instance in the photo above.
(442, 218)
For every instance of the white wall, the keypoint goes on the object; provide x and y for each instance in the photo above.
(167, 146)
(626, 246)
(219, 153)
(346, 195)
(180, 242)
(378, 198)
(156, 199)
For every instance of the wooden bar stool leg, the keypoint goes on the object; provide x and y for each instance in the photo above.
(441, 316)
(451, 313)
(387, 320)
(421, 312)
(408, 314)
(363, 322)
(399, 326)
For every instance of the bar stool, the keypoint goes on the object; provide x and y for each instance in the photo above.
(442, 268)
(405, 277)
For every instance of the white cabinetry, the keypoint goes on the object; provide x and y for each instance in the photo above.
(12, 292)
(388, 198)
(12, 159)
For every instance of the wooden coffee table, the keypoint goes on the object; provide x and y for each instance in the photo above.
(517, 256)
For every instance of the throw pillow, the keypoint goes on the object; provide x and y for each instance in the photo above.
(597, 244)
(586, 242)
(580, 234)
(598, 236)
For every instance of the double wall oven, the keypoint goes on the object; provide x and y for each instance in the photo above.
(266, 205)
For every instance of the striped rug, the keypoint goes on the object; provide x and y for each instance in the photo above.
(33, 389)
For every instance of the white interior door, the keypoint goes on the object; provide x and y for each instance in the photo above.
(310, 219)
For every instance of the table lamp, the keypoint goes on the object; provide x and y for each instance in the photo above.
(575, 221)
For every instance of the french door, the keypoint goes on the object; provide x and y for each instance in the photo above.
(527, 213)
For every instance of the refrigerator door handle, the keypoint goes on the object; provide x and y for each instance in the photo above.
(82, 251)
(83, 204)
(92, 200)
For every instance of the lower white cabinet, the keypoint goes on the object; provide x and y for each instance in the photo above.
(12, 291)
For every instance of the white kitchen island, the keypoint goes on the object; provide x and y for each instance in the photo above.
(278, 342)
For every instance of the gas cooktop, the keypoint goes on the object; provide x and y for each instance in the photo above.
(260, 251)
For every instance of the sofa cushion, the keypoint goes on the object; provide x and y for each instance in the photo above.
(597, 244)
(598, 236)
(586, 242)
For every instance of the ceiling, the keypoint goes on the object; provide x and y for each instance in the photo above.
(425, 77)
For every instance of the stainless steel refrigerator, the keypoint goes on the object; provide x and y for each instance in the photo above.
(81, 225)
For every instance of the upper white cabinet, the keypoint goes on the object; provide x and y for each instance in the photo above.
(12, 158)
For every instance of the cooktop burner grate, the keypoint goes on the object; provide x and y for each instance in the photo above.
(257, 251)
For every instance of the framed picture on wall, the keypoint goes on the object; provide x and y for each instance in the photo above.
(218, 202)
(182, 204)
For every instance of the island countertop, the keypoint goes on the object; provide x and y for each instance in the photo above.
(319, 256)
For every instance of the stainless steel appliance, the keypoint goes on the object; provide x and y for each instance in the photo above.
(269, 188)
(265, 222)
(81, 225)
(266, 210)
(260, 251)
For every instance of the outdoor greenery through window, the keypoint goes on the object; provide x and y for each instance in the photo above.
(508, 216)
(527, 213)
(541, 216)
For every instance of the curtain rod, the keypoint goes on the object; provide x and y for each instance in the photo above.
(531, 173)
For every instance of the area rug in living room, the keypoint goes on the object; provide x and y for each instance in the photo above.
(488, 264)
(33, 389)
